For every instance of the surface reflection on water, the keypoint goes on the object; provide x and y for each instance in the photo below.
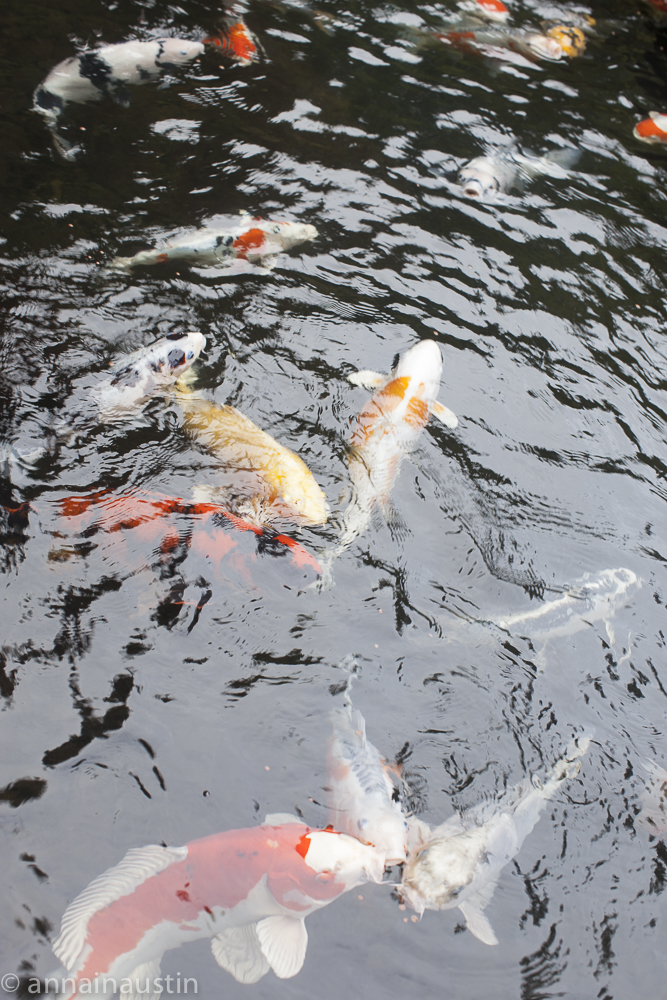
(152, 693)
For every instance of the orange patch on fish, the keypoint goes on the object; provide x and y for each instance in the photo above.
(417, 413)
(251, 240)
(162, 257)
(493, 5)
(647, 129)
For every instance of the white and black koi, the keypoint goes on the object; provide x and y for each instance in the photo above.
(146, 372)
(499, 173)
(107, 71)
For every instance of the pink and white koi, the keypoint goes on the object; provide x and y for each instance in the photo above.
(253, 240)
(387, 429)
(458, 864)
(360, 791)
(249, 890)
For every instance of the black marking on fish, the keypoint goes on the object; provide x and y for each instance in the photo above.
(120, 94)
(92, 67)
(176, 358)
(173, 336)
(158, 62)
(155, 365)
(126, 376)
(47, 101)
(144, 73)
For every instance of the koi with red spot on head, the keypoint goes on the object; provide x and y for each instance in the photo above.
(249, 890)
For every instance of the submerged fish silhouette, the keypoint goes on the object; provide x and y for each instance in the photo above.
(250, 890)
(458, 864)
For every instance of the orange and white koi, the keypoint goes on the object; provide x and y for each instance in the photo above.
(652, 129)
(520, 47)
(235, 40)
(254, 240)
(490, 10)
(386, 430)
(277, 473)
(249, 890)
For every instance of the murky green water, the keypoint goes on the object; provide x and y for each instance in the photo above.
(549, 308)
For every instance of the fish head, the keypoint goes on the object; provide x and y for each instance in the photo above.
(179, 352)
(434, 877)
(571, 40)
(479, 178)
(652, 129)
(291, 234)
(421, 364)
(387, 833)
(179, 51)
(336, 857)
(544, 47)
(302, 494)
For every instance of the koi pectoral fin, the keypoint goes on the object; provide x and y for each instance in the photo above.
(237, 950)
(283, 941)
(444, 415)
(478, 924)
(368, 379)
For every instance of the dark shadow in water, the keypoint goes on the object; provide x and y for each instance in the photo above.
(23, 790)
(92, 726)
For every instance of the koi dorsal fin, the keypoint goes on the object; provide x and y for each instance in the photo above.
(237, 951)
(283, 941)
(138, 865)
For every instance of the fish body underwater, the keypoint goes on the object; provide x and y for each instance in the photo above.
(499, 173)
(490, 10)
(458, 864)
(106, 71)
(235, 40)
(253, 240)
(508, 45)
(146, 372)
(240, 444)
(249, 890)
(361, 793)
(387, 429)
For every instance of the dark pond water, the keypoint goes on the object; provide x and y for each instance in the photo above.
(130, 717)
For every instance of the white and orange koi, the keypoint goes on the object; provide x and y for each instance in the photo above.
(515, 46)
(253, 240)
(249, 890)
(652, 129)
(387, 429)
(235, 40)
(458, 864)
(361, 794)
(490, 10)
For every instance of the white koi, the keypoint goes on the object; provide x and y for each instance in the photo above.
(499, 173)
(458, 864)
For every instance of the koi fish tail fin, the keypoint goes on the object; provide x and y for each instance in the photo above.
(63, 147)
(120, 264)
(237, 950)
(142, 982)
(564, 159)
(350, 665)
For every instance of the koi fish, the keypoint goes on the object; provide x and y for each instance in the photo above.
(146, 372)
(587, 600)
(239, 444)
(253, 240)
(499, 172)
(653, 816)
(490, 10)
(520, 47)
(651, 129)
(108, 513)
(387, 429)
(236, 41)
(360, 791)
(458, 864)
(249, 890)
(106, 71)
